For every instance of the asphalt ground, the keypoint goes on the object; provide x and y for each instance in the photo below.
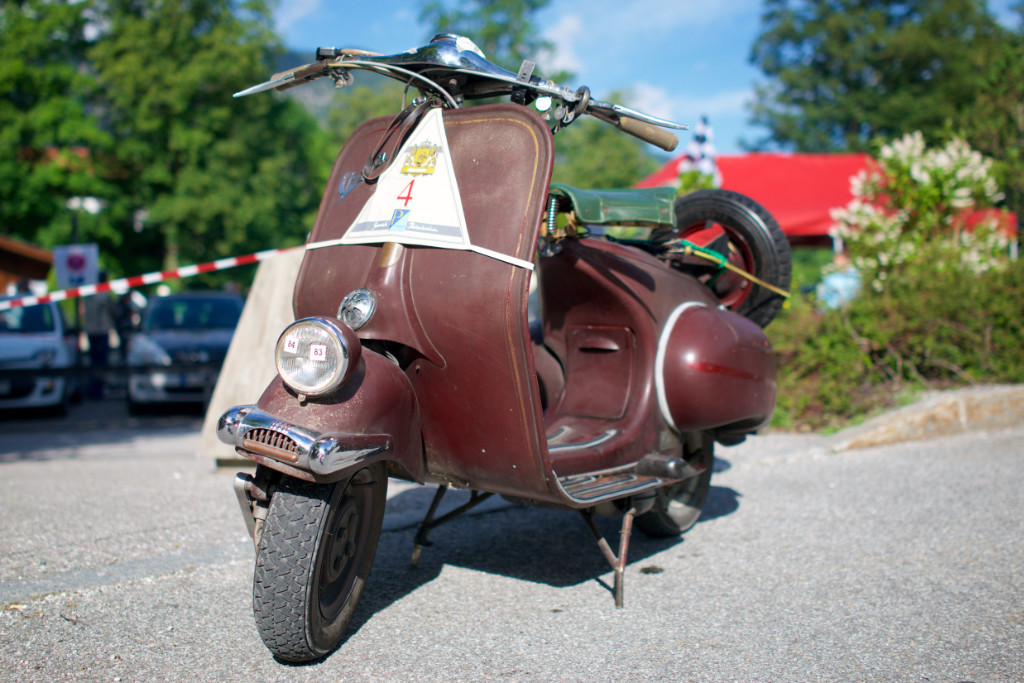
(123, 557)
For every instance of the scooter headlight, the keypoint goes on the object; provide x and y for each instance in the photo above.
(315, 356)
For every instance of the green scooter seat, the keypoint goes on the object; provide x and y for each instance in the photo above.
(652, 206)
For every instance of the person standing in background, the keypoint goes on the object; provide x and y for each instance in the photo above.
(99, 320)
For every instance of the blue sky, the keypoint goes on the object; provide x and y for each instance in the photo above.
(681, 59)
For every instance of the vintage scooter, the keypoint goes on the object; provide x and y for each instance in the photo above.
(412, 355)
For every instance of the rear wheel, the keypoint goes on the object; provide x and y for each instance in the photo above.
(751, 239)
(677, 506)
(314, 557)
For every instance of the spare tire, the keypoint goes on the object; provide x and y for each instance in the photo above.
(744, 231)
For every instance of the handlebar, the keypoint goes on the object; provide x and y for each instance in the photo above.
(453, 68)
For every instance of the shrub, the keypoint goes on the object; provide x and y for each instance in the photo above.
(951, 328)
(917, 207)
(943, 309)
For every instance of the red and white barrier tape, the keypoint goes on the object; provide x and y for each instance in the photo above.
(124, 284)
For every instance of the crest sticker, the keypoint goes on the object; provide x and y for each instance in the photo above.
(421, 159)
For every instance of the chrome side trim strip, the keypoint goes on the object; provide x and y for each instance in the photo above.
(590, 443)
(659, 360)
(557, 434)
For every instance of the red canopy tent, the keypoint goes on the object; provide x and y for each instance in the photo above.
(798, 189)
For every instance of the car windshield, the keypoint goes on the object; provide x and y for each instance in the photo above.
(28, 319)
(193, 314)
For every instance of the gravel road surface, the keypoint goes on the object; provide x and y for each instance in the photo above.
(123, 557)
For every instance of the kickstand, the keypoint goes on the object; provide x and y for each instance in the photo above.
(423, 535)
(618, 562)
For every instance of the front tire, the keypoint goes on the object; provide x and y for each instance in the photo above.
(677, 507)
(313, 560)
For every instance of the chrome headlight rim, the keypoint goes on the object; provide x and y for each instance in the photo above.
(341, 349)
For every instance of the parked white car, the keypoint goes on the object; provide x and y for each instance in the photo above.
(35, 338)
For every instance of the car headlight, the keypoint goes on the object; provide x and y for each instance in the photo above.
(315, 356)
(144, 351)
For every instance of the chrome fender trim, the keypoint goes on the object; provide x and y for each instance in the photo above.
(252, 430)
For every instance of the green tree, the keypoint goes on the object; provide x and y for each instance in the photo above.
(377, 96)
(217, 176)
(592, 154)
(503, 29)
(51, 145)
(994, 125)
(843, 72)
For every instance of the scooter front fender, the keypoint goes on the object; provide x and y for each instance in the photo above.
(373, 417)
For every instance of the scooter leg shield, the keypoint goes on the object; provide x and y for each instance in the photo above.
(373, 417)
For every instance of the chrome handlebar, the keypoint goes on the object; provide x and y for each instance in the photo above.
(454, 68)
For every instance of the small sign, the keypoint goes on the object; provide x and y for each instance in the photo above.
(76, 265)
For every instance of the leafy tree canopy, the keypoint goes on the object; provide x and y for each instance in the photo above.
(218, 176)
(592, 154)
(371, 96)
(50, 142)
(503, 29)
(842, 72)
(994, 124)
(130, 101)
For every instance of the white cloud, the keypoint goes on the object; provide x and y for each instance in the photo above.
(651, 99)
(727, 103)
(563, 36)
(656, 100)
(290, 12)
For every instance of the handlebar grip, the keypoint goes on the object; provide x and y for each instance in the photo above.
(648, 133)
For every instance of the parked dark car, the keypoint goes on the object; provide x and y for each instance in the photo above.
(190, 334)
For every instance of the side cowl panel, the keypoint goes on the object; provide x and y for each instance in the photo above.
(715, 371)
(373, 417)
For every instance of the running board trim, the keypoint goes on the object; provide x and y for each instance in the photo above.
(593, 488)
(650, 472)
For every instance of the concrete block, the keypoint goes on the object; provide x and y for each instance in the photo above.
(249, 366)
(940, 414)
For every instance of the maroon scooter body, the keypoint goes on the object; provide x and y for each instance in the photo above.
(636, 353)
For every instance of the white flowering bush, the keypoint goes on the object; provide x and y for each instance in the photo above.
(918, 207)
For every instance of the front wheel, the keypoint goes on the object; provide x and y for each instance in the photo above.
(314, 556)
(677, 507)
